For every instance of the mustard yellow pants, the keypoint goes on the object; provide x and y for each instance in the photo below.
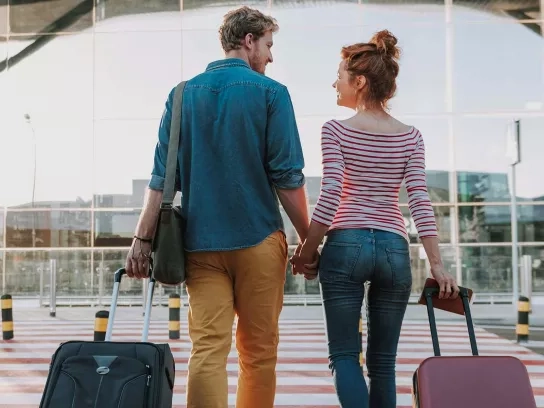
(249, 283)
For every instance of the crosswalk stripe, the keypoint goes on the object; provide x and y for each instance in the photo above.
(303, 378)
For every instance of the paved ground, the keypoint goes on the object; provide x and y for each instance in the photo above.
(303, 376)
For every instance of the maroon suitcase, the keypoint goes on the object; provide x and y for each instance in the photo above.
(470, 381)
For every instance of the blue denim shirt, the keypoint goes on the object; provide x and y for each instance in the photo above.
(239, 141)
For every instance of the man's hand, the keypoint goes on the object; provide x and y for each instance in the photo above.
(304, 263)
(137, 262)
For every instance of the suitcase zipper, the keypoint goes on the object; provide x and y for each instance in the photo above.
(146, 397)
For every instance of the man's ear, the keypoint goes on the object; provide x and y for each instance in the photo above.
(249, 41)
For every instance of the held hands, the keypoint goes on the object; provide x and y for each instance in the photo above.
(305, 263)
(448, 286)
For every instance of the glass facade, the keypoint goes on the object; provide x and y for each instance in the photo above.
(83, 86)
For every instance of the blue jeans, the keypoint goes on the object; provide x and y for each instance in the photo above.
(350, 258)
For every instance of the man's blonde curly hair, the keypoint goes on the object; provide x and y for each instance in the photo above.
(242, 21)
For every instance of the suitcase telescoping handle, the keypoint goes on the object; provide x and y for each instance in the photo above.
(463, 293)
(113, 307)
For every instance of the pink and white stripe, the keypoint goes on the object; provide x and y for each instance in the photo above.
(362, 176)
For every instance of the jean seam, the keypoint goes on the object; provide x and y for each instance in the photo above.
(404, 284)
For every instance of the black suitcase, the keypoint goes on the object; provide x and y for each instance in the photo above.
(106, 374)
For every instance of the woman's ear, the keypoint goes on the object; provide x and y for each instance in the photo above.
(360, 82)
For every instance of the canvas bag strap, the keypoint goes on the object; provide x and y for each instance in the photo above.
(173, 146)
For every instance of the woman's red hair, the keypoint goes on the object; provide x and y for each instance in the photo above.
(377, 61)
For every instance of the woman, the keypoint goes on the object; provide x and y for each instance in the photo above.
(365, 160)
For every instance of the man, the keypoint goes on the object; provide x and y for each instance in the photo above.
(239, 152)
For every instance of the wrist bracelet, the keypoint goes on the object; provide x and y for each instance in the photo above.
(143, 239)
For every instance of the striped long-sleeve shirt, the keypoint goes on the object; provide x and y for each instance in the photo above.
(362, 176)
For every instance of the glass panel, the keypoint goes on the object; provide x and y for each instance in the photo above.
(488, 223)
(107, 262)
(443, 223)
(210, 4)
(487, 269)
(310, 83)
(3, 18)
(107, 10)
(50, 16)
(482, 163)
(531, 223)
(73, 275)
(503, 11)
(126, 88)
(529, 184)
(2, 228)
(45, 120)
(537, 258)
(417, 81)
(43, 229)
(420, 265)
(123, 186)
(26, 271)
(485, 223)
(115, 228)
(497, 67)
(405, 10)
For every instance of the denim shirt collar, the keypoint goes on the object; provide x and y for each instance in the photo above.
(227, 62)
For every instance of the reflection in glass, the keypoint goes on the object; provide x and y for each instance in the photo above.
(50, 17)
(114, 8)
(507, 11)
(115, 228)
(3, 21)
(487, 269)
(531, 223)
(486, 223)
(443, 223)
(73, 273)
(48, 229)
(420, 265)
(119, 182)
(2, 221)
(493, 74)
(196, 4)
(106, 263)
(489, 223)
(483, 168)
(475, 187)
(134, 73)
(529, 184)
(537, 262)
(23, 271)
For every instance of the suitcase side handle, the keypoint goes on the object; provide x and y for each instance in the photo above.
(463, 292)
(115, 295)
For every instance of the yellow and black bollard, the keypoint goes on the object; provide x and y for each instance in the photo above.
(174, 305)
(101, 325)
(361, 358)
(7, 317)
(522, 328)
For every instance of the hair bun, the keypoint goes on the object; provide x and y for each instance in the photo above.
(386, 43)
